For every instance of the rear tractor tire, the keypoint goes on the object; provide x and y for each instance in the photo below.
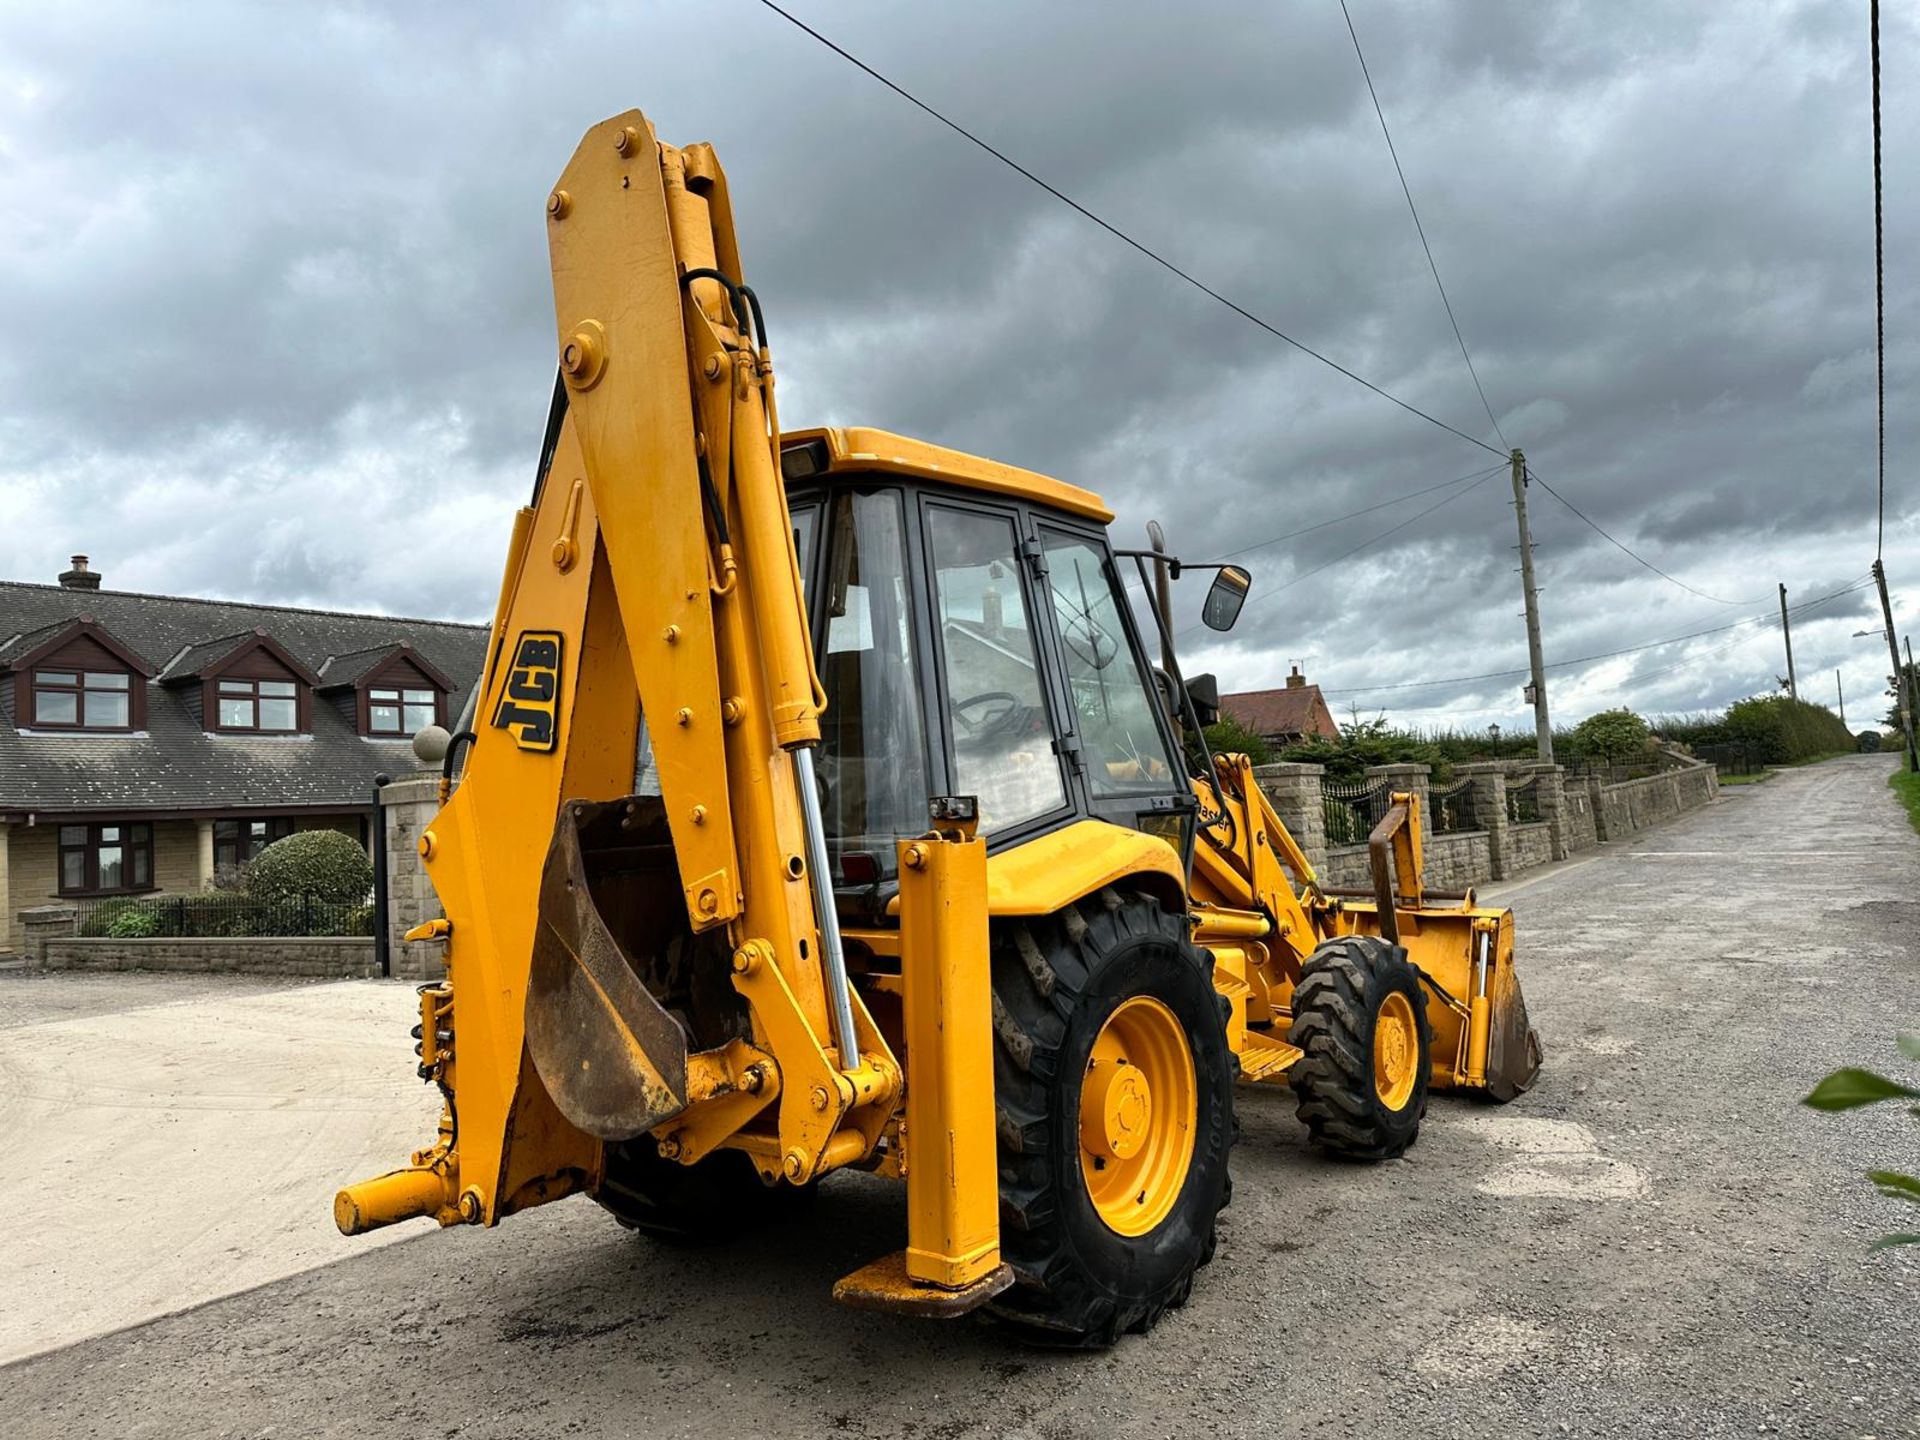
(1360, 1014)
(1113, 1085)
(711, 1200)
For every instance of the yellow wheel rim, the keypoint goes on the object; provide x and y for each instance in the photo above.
(1137, 1108)
(1396, 1051)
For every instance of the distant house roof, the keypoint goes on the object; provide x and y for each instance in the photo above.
(1296, 709)
(340, 671)
(174, 765)
(197, 662)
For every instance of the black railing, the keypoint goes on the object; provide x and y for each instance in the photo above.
(1733, 757)
(1450, 808)
(214, 916)
(1352, 810)
(1523, 801)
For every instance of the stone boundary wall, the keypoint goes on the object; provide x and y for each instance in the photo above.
(1577, 813)
(407, 806)
(320, 957)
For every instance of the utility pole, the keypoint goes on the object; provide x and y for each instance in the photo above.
(1913, 703)
(1793, 686)
(1840, 695)
(1542, 726)
(1901, 690)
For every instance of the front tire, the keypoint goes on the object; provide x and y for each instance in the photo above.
(1113, 1086)
(1361, 1017)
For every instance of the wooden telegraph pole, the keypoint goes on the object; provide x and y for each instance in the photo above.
(1793, 685)
(1537, 691)
(1902, 691)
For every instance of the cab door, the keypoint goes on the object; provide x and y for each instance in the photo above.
(1124, 759)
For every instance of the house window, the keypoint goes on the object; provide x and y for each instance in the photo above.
(268, 706)
(82, 699)
(239, 842)
(102, 859)
(393, 711)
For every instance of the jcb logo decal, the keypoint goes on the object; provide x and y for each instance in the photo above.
(530, 708)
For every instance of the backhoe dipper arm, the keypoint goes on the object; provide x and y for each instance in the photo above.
(651, 598)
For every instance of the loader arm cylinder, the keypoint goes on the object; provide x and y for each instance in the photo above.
(834, 955)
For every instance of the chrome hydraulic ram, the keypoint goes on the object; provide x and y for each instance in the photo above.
(838, 995)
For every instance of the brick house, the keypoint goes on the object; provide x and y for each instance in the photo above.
(1283, 716)
(148, 742)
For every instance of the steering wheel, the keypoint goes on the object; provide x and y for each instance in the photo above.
(996, 707)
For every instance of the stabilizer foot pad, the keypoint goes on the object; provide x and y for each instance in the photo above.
(883, 1285)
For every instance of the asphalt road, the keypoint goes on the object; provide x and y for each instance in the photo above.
(1656, 1241)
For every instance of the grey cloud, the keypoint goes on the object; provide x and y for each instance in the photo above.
(277, 290)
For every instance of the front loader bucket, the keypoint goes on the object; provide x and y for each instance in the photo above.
(614, 1061)
(1513, 1045)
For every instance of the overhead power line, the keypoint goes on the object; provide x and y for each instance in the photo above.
(1800, 609)
(1627, 550)
(1118, 233)
(1419, 229)
(1366, 544)
(1356, 514)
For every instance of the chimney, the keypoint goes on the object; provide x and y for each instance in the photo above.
(992, 611)
(79, 577)
(1295, 681)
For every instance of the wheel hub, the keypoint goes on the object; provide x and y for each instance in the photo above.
(1138, 1103)
(1116, 1106)
(1396, 1051)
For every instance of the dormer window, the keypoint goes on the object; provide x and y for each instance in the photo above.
(82, 700)
(244, 684)
(270, 707)
(389, 692)
(401, 712)
(74, 678)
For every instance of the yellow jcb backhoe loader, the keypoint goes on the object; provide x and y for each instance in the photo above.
(821, 810)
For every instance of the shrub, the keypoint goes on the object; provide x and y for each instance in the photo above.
(322, 863)
(133, 923)
(1786, 730)
(99, 919)
(360, 920)
(1850, 1088)
(1867, 742)
(1610, 735)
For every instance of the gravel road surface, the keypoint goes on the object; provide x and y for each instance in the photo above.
(1656, 1241)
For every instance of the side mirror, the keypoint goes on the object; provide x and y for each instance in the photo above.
(1224, 599)
(1204, 692)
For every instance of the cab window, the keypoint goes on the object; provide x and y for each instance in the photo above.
(872, 760)
(1121, 742)
(996, 707)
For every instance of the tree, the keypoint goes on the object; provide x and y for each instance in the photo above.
(1910, 674)
(1611, 735)
(1230, 737)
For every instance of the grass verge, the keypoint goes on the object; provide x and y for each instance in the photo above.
(1753, 779)
(1906, 785)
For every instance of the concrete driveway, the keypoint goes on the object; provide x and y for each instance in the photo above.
(1656, 1241)
(172, 1140)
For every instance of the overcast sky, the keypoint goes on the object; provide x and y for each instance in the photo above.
(278, 327)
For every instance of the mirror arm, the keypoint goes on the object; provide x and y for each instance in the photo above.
(1187, 710)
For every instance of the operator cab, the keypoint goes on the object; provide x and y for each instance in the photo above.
(973, 637)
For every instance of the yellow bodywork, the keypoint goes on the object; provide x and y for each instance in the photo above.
(652, 588)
